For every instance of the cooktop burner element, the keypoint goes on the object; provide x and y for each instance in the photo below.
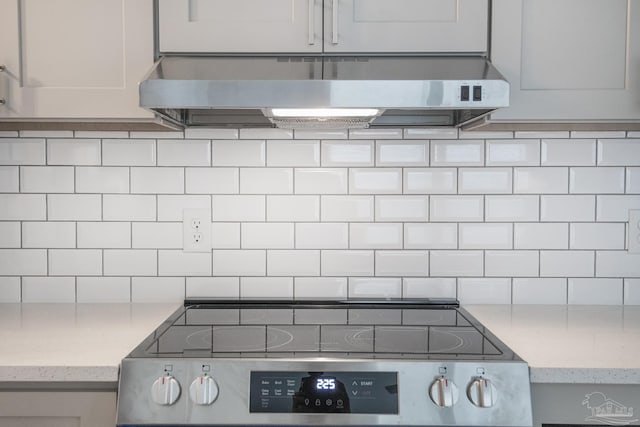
(357, 362)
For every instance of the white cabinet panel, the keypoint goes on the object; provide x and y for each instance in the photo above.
(74, 59)
(405, 25)
(568, 60)
(240, 25)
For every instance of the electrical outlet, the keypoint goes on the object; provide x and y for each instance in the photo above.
(633, 231)
(196, 230)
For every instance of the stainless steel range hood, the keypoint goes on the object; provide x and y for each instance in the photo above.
(251, 91)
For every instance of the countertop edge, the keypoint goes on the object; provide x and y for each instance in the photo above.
(584, 375)
(72, 374)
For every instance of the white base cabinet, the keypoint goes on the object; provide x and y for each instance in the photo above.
(74, 59)
(568, 60)
(57, 409)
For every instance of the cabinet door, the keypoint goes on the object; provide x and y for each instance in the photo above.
(74, 59)
(257, 26)
(405, 26)
(568, 60)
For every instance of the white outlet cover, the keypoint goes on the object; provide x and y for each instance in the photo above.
(196, 230)
(633, 231)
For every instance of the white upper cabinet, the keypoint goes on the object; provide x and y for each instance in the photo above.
(240, 26)
(296, 26)
(405, 26)
(568, 60)
(74, 59)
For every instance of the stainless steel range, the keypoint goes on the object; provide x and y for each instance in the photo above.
(410, 363)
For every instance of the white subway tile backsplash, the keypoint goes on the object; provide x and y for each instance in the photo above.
(239, 262)
(52, 234)
(321, 288)
(22, 151)
(212, 180)
(266, 180)
(264, 235)
(401, 208)
(156, 135)
(515, 152)
(213, 287)
(251, 133)
(402, 153)
(225, 235)
(456, 208)
(430, 181)
(375, 181)
(598, 134)
(74, 152)
(322, 235)
(484, 291)
(616, 208)
(238, 153)
(101, 134)
(511, 263)
(484, 180)
(567, 208)
(98, 235)
(321, 181)
(129, 207)
(9, 179)
(439, 287)
(238, 208)
(430, 236)
(23, 262)
(157, 180)
(541, 180)
(567, 263)
(375, 287)
(375, 133)
(541, 236)
(157, 289)
(617, 264)
(618, 152)
(128, 152)
(597, 236)
(74, 207)
(293, 262)
(347, 263)
(485, 134)
(205, 133)
(595, 291)
(430, 133)
(632, 184)
(180, 263)
(568, 152)
(293, 208)
(347, 208)
(457, 153)
(402, 263)
(542, 134)
(9, 134)
(596, 180)
(130, 262)
(486, 236)
(171, 208)
(103, 290)
(46, 179)
(102, 179)
(48, 290)
(293, 153)
(10, 234)
(456, 263)
(512, 208)
(631, 292)
(10, 290)
(321, 133)
(184, 152)
(266, 288)
(539, 291)
(347, 153)
(151, 235)
(375, 236)
(75, 262)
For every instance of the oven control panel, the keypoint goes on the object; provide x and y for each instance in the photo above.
(324, 392)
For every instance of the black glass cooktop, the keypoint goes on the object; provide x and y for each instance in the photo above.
(416, 329)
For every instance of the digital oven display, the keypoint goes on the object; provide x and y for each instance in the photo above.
(324, 392)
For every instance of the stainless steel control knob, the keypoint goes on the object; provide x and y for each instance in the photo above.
(443, 392)
(482, 393)
(165, 390)
(203, 390)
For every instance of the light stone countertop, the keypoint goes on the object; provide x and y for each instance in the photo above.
(81, 343)
(570, 343)
(84, 343)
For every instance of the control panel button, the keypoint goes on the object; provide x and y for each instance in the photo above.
(477, 93)
(203, 390)
(482, 393)
(464, 93)
(443, 392)
(165, 390)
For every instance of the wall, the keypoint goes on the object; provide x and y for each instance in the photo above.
(484, 217)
